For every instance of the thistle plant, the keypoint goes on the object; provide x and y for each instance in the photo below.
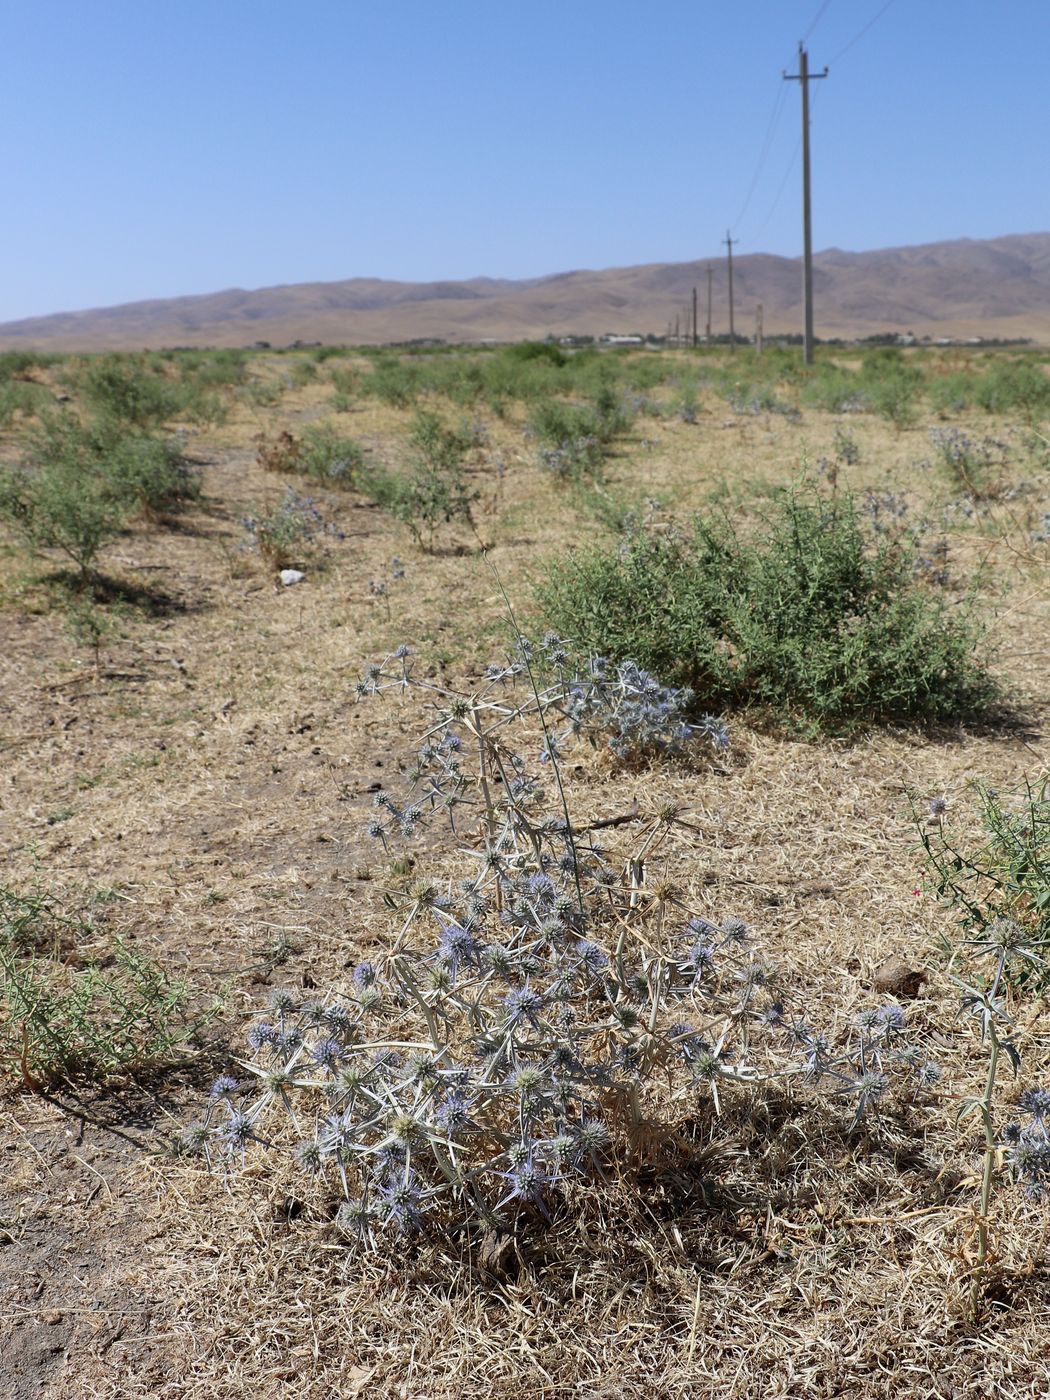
(1000, 896)
(286, 534)
(1007, 950)
(973, 463)
(539, 1027)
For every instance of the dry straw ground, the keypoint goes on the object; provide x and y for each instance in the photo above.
(214, 774)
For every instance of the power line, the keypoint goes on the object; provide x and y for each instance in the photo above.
(780, 190)
(861, 33)
(820, 16)
(767, 142)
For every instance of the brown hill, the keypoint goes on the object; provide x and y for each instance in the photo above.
(995, 287)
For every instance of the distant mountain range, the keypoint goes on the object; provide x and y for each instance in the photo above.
(997, 287)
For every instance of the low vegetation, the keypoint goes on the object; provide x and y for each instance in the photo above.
(652, 1006)
(70, 1016)
(807, 617)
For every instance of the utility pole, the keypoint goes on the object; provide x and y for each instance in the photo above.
(804, 77)
(732, 329)
(695, 338)
(707, 332)
(758, 329)
(677, 332)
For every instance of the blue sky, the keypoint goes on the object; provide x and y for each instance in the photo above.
(156, 149)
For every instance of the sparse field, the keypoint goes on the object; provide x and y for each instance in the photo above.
(188, 774)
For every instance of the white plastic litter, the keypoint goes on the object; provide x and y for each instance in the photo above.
(290, 576)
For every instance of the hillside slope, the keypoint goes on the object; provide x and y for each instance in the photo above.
(995, 287)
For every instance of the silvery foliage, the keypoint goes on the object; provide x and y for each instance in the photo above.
(533, 1027)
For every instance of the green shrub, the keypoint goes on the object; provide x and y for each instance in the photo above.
(809, 620)
(261, 393)
(21, 397)
(438, 444)
(346, 384)
(15, 364)
(81, 484)
(303, 372)
(57, 507)
(833, 389)
(130, 389)
(329, 457)
(72, 1019)
(952, 393)
(1015, 386)
(395, 382)
(574, 438)
(149, 472)
(892, 386)
(213, 369)
(423, 498)
(529, 351)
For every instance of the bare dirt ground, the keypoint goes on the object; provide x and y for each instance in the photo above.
(214, 774)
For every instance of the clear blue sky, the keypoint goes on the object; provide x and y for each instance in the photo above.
(155, 149)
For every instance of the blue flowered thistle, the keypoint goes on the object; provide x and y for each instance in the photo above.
(534, 1023)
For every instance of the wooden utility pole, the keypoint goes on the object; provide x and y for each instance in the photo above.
(732, 327)
(695, 337)
(677, 332)
(804, 77)
(758, 329)
(707, 331)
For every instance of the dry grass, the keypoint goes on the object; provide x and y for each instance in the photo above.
(216, 774)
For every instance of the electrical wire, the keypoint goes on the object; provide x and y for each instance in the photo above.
(778, 107)
(861, 33)
(782, 187)
(774, 119)
(820, 16)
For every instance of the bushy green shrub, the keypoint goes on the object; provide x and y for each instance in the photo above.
(261, 393)
(528, 351)
(303, 372)
(440, 444)
(15, 364)
(328, 456)
(809, 619)
(892, 386)
(1015, 386)
(422, 498)
(80, 484)
(57, 507)
(833, 389)
(21, 398)
(952, 393)
(212, 369)
(150, 472)
(575, 438)
(393, 381)
(131, 389)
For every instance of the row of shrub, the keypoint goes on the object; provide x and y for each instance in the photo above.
(889, 382)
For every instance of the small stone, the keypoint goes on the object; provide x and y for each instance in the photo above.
(290, 576)
(895, 977)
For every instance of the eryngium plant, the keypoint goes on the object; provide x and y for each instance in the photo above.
(543, 1024)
